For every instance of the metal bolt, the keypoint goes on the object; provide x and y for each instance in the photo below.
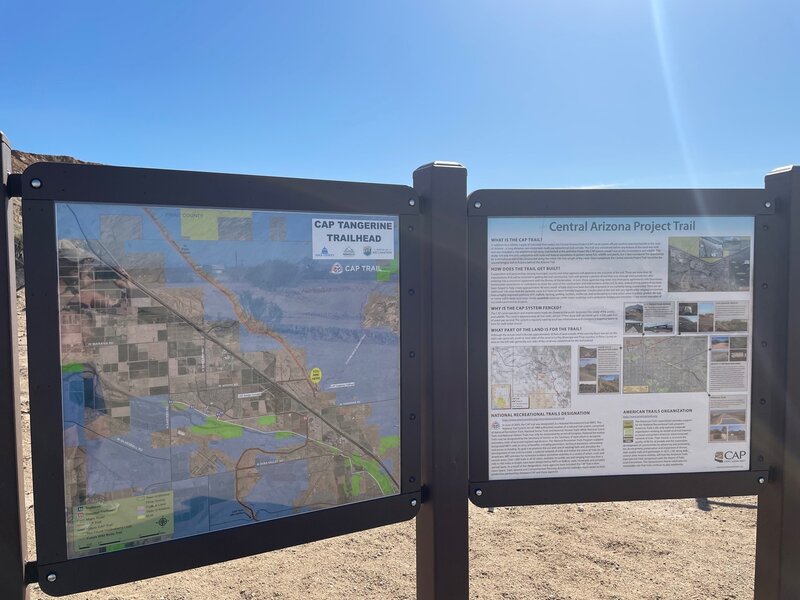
(412, 202)
(412, 479)
(411, 292)
(768, 204)
(479, 492)
(765, 227)
(763, 401)
(411, 228)
(764, 286)
(477, 204)
(51, 577)
(412, 416)
(412, 354)
(36, 184)
(762, 480)
(413, 502)
(760, 459)
(763, 344)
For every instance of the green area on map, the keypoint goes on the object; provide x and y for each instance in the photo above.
(388, 442)
(373, 468)
(215, 427)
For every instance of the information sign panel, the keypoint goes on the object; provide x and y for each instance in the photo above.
(618, 345)
(611, 341)
(217, 370)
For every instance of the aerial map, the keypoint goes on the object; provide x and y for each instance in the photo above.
(223, 367)
(531, 377)
(665, 365)
(709, 264)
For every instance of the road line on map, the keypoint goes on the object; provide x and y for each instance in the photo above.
(358, 345)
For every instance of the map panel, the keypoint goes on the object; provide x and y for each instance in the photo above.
(216, 374)
(537, 377)
(665, 365)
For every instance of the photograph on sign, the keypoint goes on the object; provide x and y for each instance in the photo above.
(223, 367)
(619, 346)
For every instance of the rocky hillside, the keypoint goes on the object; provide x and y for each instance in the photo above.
(22, 160)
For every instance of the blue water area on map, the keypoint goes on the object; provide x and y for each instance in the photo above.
(223, 509)
(114, 461)
(386, 416)
(112, 466)
(120, 462)
(190, 505)
(217, 306)
(257, 342)
(148, 414)
(279, 488)
(327, 323)
(368, 369)
(80, 392)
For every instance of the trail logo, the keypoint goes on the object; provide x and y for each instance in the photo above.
(336, 269)
(367, 250)
(349, 252)
(730, 455)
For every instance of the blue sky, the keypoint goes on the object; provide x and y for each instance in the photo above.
(525, 93)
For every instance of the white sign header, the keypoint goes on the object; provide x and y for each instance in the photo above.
(352, 239)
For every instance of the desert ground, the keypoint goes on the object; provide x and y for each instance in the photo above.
(666, 550)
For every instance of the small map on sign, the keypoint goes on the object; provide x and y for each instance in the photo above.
(531, 377)
(669, 365)
(215, 373)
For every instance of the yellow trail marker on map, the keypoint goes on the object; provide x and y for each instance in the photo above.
(315, 375)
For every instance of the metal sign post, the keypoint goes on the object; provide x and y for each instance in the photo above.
(442, 529)
(13, 543)
(778, 546)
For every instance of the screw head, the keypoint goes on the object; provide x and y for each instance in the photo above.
(768, 204)
(479, 492)
(51, 577)
(477, 204)
(36, 184)
(413, 502)
(762, 480)
(412, 202)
